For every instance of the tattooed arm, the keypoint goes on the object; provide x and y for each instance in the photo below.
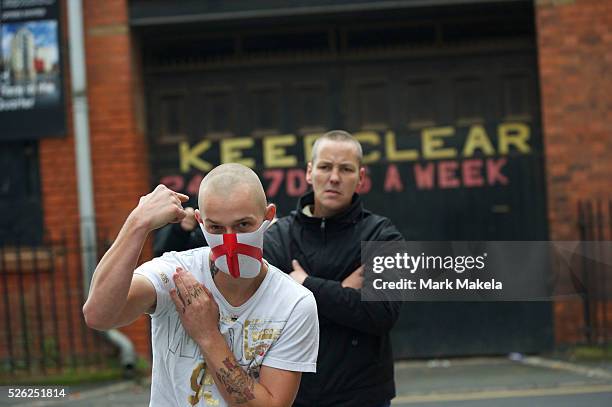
(199, 315)
(276, 387)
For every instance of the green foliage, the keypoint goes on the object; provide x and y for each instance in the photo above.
(592, 352)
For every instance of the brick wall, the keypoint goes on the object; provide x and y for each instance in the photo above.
(119, 154)
(574, 40)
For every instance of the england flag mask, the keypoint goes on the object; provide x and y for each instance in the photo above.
(237, 254)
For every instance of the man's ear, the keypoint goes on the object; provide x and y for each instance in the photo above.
(309, 173)
(270, 212)
(362, 173)
(198, 216)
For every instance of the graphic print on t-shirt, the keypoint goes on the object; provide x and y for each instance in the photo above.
(264, 331)
(179, 341)
(249, 350)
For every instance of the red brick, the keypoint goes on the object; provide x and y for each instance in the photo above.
(573, 45)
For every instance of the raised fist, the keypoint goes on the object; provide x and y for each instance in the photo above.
(160, 207)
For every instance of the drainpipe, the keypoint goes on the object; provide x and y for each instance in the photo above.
(87, 214)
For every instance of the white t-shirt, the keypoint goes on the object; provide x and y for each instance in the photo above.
(277, 327)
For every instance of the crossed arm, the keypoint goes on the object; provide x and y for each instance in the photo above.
(199, 314)
(339, 301)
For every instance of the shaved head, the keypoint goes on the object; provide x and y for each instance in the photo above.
(226, 180)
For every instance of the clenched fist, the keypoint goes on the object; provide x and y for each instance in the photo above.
(160, 207)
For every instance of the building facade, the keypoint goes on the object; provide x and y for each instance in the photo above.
(480, 120)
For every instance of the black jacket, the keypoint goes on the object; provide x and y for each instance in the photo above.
(355, 362)
(172, 238)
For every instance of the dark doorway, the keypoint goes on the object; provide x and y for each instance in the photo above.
(20, 201)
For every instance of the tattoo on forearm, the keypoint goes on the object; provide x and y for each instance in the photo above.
(238, 384)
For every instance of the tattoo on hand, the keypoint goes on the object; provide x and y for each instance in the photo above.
(192, 292)
(238, 384)
(195, 292)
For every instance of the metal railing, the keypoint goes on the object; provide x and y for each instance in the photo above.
(595, 224)
(43, 330)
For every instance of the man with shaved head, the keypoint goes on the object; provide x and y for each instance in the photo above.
(227, 327)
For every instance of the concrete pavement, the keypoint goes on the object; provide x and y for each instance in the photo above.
(477, 382)
(502, 382)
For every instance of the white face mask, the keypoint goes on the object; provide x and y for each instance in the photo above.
(237, 254)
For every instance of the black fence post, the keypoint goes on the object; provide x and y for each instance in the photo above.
(56, 336)
(7, 311)
(583, 225)
(602, 268)
(39, 312)
(23, 308)
(592, 227)
(87, 357)
(607, 270)
(69, 325)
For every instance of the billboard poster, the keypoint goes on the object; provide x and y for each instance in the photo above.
(31, 86)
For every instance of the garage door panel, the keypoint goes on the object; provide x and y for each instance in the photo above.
(215, 110)
(396, 102)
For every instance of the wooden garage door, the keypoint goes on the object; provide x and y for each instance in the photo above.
(452, 142)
